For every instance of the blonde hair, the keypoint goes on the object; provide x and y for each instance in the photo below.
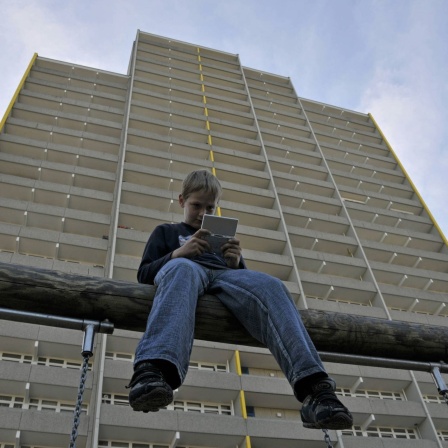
(201, 180)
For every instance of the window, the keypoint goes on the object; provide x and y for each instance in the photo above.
(350, 302)
(16, 357)
(382, 432)
(203, 408)
(382, 395)
(40, 404)
(51, 362)
(116, 444)
(208, 366)
(11, 401)
(434, 399)
(63, 363)
(443, 435)
(120, 356)
(37, 446)
(116, 399)
(250, 411)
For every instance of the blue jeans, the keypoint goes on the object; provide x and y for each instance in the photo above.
(259, 301)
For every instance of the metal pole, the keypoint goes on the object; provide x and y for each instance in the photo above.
(344, 358)
(55, 321)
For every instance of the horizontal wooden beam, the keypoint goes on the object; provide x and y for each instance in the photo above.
(126, 305)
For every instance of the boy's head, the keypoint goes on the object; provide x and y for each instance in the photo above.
(201, 180)
(201, 192)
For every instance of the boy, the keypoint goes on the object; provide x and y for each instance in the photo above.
(178, 261)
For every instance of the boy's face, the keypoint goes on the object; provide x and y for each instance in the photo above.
(197, 205)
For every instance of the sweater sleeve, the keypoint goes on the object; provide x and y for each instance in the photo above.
(156, 254)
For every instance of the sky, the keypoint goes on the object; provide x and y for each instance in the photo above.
(386, 57)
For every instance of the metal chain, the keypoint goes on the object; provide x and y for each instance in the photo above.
(327, 438)
(77, 413)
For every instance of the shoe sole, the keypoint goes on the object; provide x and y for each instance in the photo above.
(338, 421)
(153, 401)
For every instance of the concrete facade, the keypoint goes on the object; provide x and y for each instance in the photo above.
(91, 161)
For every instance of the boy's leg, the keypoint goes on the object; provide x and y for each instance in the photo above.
(163, 353)
(265, 308)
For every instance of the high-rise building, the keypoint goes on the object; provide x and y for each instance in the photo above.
(92, 161)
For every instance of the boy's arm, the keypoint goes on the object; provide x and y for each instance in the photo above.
(156, 254)
(196, 245)
(163, 245)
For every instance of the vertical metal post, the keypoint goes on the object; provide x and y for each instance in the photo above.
(89, 339)
(440, 383)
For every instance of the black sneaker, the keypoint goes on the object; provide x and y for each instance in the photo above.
(323, 410)
(149, 390)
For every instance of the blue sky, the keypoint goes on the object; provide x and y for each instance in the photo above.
(386, 57)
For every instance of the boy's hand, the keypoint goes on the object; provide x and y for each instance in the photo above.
(232, 253)
(195, 246)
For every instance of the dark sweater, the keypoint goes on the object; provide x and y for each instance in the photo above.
(165, 239)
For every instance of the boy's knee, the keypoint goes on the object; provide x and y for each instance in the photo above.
(265, 282)
(178, 266)
(179, 262)
(272, 282)
(275, 284)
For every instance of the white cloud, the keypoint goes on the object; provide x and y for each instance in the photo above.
(27, 28)
(407, 94)
(34, 27)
